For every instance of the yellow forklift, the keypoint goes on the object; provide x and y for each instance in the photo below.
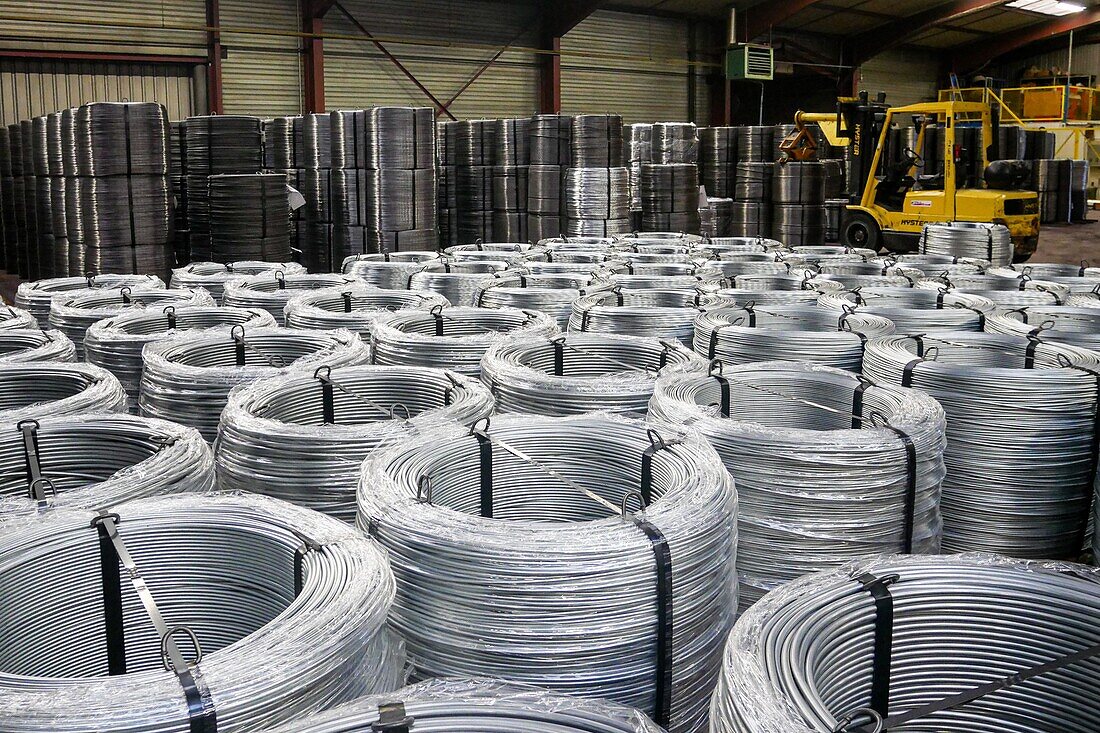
(889, 198)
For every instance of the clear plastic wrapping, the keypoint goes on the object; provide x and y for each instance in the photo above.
(36, 297)
(354, 307)
(23, 345)
(272, 290)
(658, 313)
(17, 318)
(44, 389)
(212, 276)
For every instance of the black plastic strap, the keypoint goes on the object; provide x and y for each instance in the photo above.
(712, 345)
(879, 588)
(346, 295)
(559, 356)
(907, 372)
(392, 719)
(200, 707)
(300, 553)
(656, 443)
(1094, 463)
(328, 405)
(437, 314)
(170, 313)
(1033, 342)
(238, 340)
(29, 428)
(981, 317)
(112, 603)
(724, 390)
(130, 189)
(485, 456)
(585, 318)
(662, 556)
(857, 403)
(910, 486)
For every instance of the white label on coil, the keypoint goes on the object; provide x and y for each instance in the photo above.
(297, 200)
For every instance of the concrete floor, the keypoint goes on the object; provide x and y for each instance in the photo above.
(1070, 243)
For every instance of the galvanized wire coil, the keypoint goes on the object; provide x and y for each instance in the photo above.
(753, 182)
(121, 139)
(544, 184)
(657, 313)
(596, 193)
(1061, 324)
(490, 706)
(797, 224)
(798, 182)
(249, 218)
(650, 277)
(23, 345)
(270, 291)
(941, 265)
(864, 281)
(1002, 291)
(398, 138)
(987, 281)
(283, 437)
(270, 641)
(716, 218)
(638, 143)
(551, 139)
(283, 144)
(968, 239)
(564, 487)
(1044, 270)
(316, 151)
(458, 282)
(98, 460)
(754, 143)
(354, 307)
(958, 623)
(475, 143)
(116, 343)
(1020, 458)
(770, 281)
(221, 144)
(389, 270)
(822, 475)
(793, 332)
(577, 373)
(717, 159)
(187, 379)
(512, 142)
(212, 276)
(552, 294)
(742, 297)
(914, 311)
(597, 141)
(750, 219)
(669, 188)
(675, 142)
(736, 244)
(44, 389)
(17, 318)
(747, 263)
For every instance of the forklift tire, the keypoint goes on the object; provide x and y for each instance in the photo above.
(861, 230)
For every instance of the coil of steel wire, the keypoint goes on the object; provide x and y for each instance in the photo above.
(398, 138)
(57, 185)
(187, 379)
(1044, 270)
(597, 141)
(551, 139)
(638, 143)
(989, 281)
(1060, 324)
(389, 270)
(316, 152)
(823, 474)
(754, 143)
(302, 437)
(116, 343)
(750, 219)
(597, 195)
(222, 144)
(794, 332)
(457, 281)
(121, 139)
(249, 217)
(675, 142)
(559, 483)
(270, 291)
(753, 182)
(552, 294)
(742, 297)
(666, 190)
(737, 244)
(212, 276)
(283, 144)
(963, 629)
(577, 373)
(717, 159)
(94, 461)
(126, 224)
(17, 318)
(914, 311)
(798, 182)
(718, 216)
(850, 282)
(1005, 292)
(45, 389)
(1020, 460)
(657, 313)
(354, 307)
(798, 224)
(544, 189)
(499, 249)
(490, 706)
(267, 583)
(23, 345)
(781, 281)
(511, 141)
(942, 265)
(968, 239)
(745, 263)
(475, 142)
(40, 196)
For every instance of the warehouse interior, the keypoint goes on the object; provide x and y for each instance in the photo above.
(549, 366)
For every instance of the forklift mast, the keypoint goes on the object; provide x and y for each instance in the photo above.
(861, 121)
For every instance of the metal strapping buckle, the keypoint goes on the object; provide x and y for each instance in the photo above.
(624, 505)
(847, 719)
(164, 639)
(424, 490)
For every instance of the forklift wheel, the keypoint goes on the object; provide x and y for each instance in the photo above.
(861, 230)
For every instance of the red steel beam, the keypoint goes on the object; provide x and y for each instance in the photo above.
(214, 59)
(550, 78)
(103, 57)
(761, 18)
(313, 55)
(972, 57)
(561, 16)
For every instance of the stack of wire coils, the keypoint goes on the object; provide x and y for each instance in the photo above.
(40, 161)
(716, 219)
(1011, 142)
(175, 180)
(722, 245)
(74, 185)
(454, 705)
(1078, 190)
(36, 297)
(675, 142)
(187, 379)
(962, 628)
(963, 239)
(666, 313)
(115, 343)
(550, 293)
(795, 332)
(283, 154)
(457, 281)
(313, 158)
(42, 389)
(212, 276)
(915, 311)
(453, 338)
(937, 265)
(1051, 179)
(754, 142)
(281, 588)
(125, 195)
(577, 373)
(835, 200)
(388, 270)
(16, 242)
(779, 134)
(249, 217)
(57, 184)
(302, 437)
(446, 195)
(98, 460)
(8, 234)
(1058, 324)
(597, 187)
(551, 136)
(29, 245)
(354, 307)
(270, 291)
(512, 160)
(828, 468)
(566, 489)
(755, 295)
(215, 144)
(670, 197)
(752, 182)
(783, 281)
(1041, 144)
(1019, 473)
(718, 160)
(475, 145)
(23, 345)
(798, 202)
(72, 313)
(637, 151)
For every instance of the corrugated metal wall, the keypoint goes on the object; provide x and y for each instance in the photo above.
(907, 76)
(1086, 60)
(358, 75)
(261, 74)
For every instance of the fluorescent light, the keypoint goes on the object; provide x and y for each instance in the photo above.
(1047, 7)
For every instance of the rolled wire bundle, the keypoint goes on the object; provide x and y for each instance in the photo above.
(1021, 283)
(963, 629)
(212, 276)
(577, 373)
(782, 281)
(510, 202)
(223, 583)
(596, 201)
(249, 218)
(500, 249)
(794, 332)
(657, 313)
(1064, 285)
(512, 142)
(44, 389)
(1059, 324)
(754, 143)
(550, 139)
(270, 291)
(544, 190)
(354, 307)
(990, 242)
(798, 182)
(116, 343)
(669, 196)
(302, 437)
(750, 219)
(735, 244)
(753, 182)
(648, 277)
(716, 219)
(474, 196)
(1043, 270)
(398, 138)
(560, 483)
(475, 142)
(914, 311)
(1003, 299)
(389, 270)
(591, 264)
(798, 223)
(37, 297)
(674, 239)
(17, 318)
(742, 297)
(850, 282)
(121, 139)
(597, 141)
(828, 468)
(565, 243)
(42, 204)
(223, 144)
(57, 186)
(97, 460)
(187, 379)
(552, 294)
(127, 223)
(458, 282)
(24, 345)
(283, 144)
(743, 264)
(717, 158)
(675, 142)
(935, 265)
(1020, 457)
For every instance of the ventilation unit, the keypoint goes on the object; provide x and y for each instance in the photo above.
(748, 61)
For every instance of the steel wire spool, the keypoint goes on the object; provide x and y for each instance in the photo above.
(354, 307)
(675, 142)
(97, 460)
(116, 343)
(122, 139)
(37, 297)
(1003, 299)
(1020, 461)
(935, 265)
(798, 224)
(717, 159)
(551, 138)
(656, 313)
(647, 277)
(512, 142)
(833, 251)
(270, 291)
(638, 143)
(251, 581)
(17, 318)
(57, 186)
(559, 483)
(552, 294)
(798, 182)
(510, 184)
(597, 141)
(781, 281)
(585, 264)
(959, 624)
(74, 220)
(577, 373)
(398, 138)
(212, 276)
(25, 345)
(1040, 144)
(249, 218)
(846, 265)
(1044, 270)
(40, 196)
(222, 144)
(285, 438)
(850, 282)
(733, 244)
(388, 270)
(283, 143)
(45, 389)
(754, 143)
(475, 142)
(793, 332)
(544, 189)
(667, 190)
(187, 379)
(459, 281)
(596, 199)
(914, 311)
(316, 152)
(750, 263)
(742, 297)
(716, 220)
(753, 182)
(567, 243)
(823, 472)
(126, 224)
(1059, 324)
(1008, 284)
(968, 239)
